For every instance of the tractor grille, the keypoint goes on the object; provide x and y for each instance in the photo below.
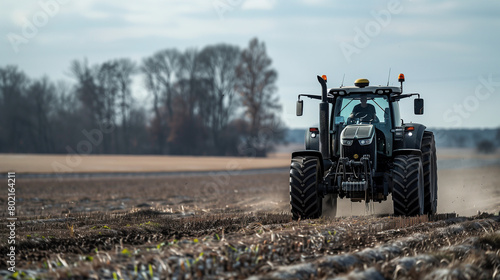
(357, 149)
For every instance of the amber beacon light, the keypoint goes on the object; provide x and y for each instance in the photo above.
(401, 79)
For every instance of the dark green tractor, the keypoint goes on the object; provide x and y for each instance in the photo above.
(363, 151)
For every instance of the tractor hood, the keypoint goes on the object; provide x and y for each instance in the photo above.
(358, 131)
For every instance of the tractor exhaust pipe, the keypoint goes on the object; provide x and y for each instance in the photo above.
(324, 138)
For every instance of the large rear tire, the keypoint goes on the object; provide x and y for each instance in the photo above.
(430, 173)
(408, 188)
(305, 201)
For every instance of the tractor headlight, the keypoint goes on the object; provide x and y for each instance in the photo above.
(365, 142)
(346, 142)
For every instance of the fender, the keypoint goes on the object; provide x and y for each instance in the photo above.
(312, 143)
(411, 139)
(311, 153)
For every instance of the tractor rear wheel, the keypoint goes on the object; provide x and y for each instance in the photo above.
(407, 192)
(430, 173)
(305, 173)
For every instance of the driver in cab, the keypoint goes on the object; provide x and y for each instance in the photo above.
(364, 112)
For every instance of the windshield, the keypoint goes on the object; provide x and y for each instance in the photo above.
(362, 108)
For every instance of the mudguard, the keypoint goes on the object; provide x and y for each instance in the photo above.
(412, 140)
(312, 139)
(310, 153)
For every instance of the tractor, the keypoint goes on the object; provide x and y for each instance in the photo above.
(364, 151)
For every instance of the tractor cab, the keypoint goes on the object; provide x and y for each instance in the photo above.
(363, 112)
(364, 108)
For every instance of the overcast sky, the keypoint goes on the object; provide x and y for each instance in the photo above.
(448, 50)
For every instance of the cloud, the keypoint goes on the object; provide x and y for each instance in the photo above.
(314, 2)
(258, 4)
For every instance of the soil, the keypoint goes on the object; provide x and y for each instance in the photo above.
(232, 226)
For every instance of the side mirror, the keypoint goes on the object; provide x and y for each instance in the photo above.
(300, 107)
(419, 106)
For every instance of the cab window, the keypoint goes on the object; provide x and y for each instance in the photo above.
(362, 108)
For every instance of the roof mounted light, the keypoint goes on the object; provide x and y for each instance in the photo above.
(324, 77)
(383, 91)
(362, 83)
(337, 92)
(401, 79)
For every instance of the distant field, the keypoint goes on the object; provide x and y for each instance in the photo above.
(464, 153)
(30, 163)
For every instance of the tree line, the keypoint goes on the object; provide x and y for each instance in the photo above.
(220, 100)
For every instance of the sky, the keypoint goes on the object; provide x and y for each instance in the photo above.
(448, 50)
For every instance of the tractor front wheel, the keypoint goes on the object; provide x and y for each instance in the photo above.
(408, 188)
(305, 201)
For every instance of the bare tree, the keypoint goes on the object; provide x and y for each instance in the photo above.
(125, 69)
(188, 132)
(188, 77)
(67, 121)
(14, 120)
(256, 86)
(88, 93)
(137, 123)
(41, 95)
(218, 66)
(104, 92)
(108, 86)
(159, 71)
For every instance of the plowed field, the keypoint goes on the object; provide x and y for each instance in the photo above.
(232, 225)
